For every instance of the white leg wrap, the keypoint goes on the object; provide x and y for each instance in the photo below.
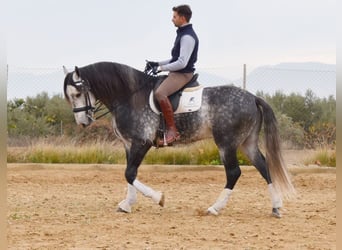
(147, 191)
(275, 197)
(131, 198)
(221, 201)
(131, 194)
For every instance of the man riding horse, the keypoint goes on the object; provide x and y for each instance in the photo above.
(233, 117)
(180, 66)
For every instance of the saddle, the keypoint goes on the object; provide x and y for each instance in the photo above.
(190, 92)
(187, 99)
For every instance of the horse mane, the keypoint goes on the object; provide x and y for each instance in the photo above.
(114, 81)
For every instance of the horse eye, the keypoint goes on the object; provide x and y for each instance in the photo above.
(78, 95)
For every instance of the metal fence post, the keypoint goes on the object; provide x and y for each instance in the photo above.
(244, 76)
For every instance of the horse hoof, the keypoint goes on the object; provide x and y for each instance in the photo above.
(212, 211)
(162, 200)
(276, 213)
(120, 210)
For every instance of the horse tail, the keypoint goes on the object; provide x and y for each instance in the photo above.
(274, 160)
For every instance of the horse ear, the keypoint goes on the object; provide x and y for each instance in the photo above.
(77, 71)
(65, 70)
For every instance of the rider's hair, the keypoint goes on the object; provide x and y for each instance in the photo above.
(183, 10)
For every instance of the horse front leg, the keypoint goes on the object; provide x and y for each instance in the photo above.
(233, 172)
(131, 198)
(135, 154)
(157, 196)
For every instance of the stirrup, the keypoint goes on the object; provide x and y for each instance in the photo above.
(164, 142)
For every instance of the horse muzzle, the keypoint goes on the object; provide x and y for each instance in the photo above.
(84, 115)
(84, 118)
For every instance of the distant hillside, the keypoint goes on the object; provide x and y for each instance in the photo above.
(293, 78)
(209, 79)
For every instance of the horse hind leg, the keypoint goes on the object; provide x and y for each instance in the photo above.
(250, 148)
(233, 172)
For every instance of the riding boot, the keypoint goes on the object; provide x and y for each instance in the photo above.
(171, 131)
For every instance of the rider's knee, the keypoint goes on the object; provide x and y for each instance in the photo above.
(159, 95)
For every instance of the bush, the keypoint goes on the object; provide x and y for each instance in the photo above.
(62, 150)
(321, 136)
(323, 158)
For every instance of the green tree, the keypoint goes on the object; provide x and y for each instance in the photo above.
(38, 116)
(58, 114)
(304, 120)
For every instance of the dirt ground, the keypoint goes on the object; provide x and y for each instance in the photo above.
(74, 207)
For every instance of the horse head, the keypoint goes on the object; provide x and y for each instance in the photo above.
(78, 93)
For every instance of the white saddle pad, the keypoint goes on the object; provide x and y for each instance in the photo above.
(190, 100)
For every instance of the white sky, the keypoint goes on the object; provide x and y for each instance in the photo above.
(52, 33)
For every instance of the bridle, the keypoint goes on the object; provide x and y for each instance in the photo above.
(84, 87)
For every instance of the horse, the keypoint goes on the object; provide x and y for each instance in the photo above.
(233, 117)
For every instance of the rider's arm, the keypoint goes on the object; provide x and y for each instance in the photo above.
(187, 45)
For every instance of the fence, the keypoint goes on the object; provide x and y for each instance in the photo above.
(287, 78)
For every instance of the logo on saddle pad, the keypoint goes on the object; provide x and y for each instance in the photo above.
(189, 100)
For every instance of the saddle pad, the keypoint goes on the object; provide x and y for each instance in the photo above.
(190, 101)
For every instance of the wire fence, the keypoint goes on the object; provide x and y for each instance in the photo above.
(286, 78)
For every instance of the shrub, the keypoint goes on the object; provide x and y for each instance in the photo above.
(323, 158)
(62, 150)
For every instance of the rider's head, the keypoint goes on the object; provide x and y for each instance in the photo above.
(181, 15)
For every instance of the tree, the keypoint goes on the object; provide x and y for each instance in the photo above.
(304, 120)
(37, 116)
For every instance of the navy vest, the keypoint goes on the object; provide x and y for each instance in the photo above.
(181, 31)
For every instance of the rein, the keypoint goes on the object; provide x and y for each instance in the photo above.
(147, 71)
(84, 87)
(99, 107)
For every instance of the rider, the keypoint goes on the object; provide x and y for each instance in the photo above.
(180, 66)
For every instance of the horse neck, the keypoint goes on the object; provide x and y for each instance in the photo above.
(118, 84)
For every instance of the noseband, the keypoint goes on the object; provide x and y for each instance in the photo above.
(84, 87)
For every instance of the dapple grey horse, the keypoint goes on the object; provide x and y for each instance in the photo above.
(232, 116)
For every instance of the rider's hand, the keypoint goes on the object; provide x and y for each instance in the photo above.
(152, 68)
(153, 64)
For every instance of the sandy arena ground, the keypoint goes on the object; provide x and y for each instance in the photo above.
(74, 207)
